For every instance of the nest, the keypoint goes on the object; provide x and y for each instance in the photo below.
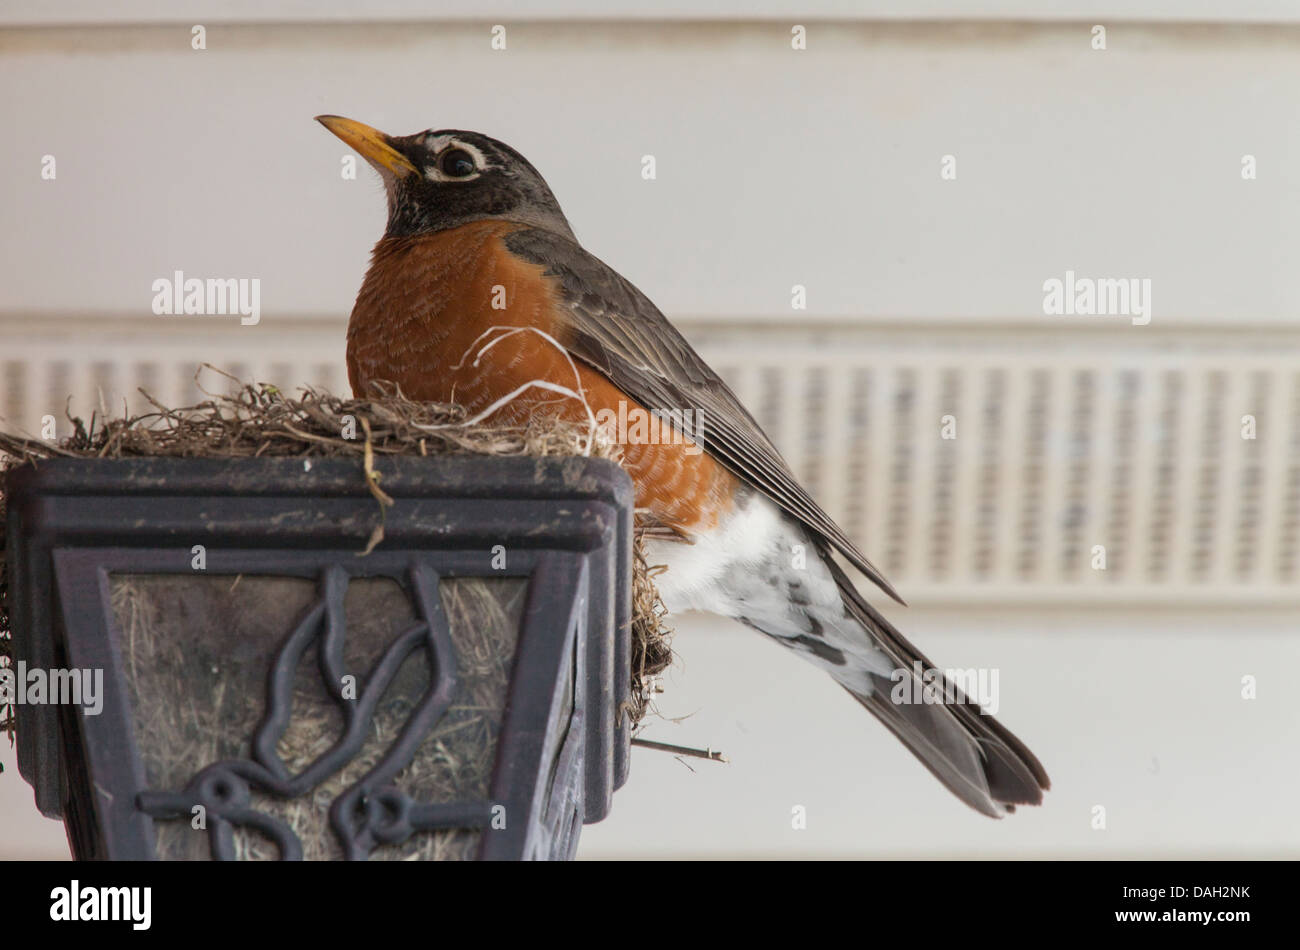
(260, 420)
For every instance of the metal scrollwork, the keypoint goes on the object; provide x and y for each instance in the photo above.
(372, 811)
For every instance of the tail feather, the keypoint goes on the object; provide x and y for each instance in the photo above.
(975, 756)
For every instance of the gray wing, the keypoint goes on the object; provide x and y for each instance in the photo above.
(617, 331)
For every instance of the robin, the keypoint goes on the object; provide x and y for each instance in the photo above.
(479, 293)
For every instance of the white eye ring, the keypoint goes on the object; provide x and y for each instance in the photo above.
(438, 144)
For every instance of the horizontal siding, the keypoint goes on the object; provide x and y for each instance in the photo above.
(1062, 442)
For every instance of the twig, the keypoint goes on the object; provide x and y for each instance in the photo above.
(710, 754)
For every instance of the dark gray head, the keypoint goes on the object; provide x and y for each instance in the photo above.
(438, 180)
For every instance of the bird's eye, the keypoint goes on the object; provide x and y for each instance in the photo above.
(456, 163)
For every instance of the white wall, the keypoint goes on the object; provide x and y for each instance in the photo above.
(775, 167)
(1140, 713)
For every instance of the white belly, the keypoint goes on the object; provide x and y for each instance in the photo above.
(760, 566)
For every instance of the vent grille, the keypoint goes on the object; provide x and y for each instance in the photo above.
(1063, 442)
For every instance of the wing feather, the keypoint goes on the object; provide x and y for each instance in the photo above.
(615, 329)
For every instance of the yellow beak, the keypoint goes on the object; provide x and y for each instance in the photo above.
(370, 144)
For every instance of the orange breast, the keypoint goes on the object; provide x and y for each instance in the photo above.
(435, 316)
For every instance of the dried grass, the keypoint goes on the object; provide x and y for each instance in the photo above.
(197, 695)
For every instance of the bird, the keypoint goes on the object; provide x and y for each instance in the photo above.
(479, 293)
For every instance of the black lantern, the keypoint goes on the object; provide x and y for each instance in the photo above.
(269, 690)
